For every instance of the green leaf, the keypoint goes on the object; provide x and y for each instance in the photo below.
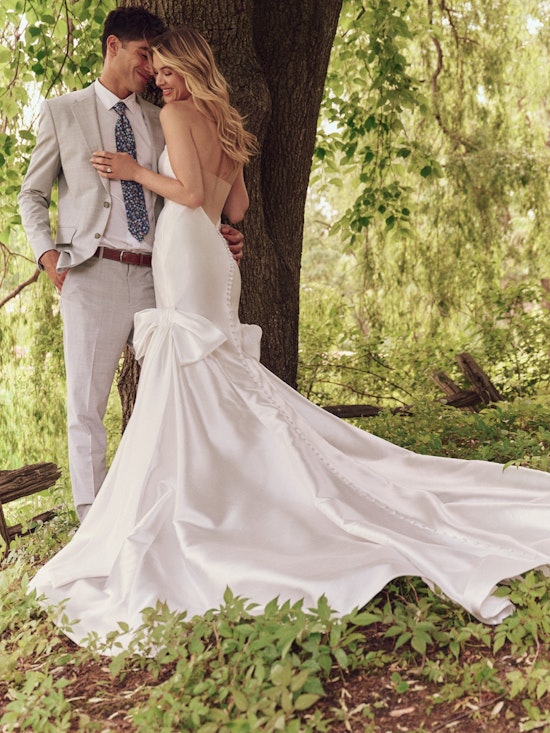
(240, 700)
(305, 701)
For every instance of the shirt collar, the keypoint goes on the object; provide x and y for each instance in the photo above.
(108, 99)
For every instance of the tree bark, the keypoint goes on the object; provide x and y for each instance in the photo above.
(128, 377)
(275, 55)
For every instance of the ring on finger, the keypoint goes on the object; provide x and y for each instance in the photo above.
(109, 170)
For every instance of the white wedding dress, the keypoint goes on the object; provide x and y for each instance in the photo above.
(225, 476)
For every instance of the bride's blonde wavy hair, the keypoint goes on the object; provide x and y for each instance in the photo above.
(187, 53)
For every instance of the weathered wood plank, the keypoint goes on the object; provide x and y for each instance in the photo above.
(17, 529)
(344, 411)
(478, 379)
(4, 529)
(446, 384)
(19, 482)
(27, 480)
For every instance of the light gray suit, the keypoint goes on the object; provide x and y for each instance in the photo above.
(69, 134)
(99, 297)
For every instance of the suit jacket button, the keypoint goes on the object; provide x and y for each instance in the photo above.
(97, 235)
(106, 204)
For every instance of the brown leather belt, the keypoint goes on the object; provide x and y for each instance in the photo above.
(124, 256)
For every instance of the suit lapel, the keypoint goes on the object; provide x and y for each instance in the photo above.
(85, 114)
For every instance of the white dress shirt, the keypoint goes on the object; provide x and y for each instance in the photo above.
(116, 234)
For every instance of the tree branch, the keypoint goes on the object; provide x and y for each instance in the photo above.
(457, 139)
(14, 293)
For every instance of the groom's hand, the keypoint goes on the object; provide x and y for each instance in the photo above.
(49, 263)
(235, 241)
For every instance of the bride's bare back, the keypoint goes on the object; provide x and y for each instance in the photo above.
(208, 176)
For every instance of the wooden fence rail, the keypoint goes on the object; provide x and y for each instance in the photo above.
(20, 482)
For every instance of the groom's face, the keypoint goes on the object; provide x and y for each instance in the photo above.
(132, 65)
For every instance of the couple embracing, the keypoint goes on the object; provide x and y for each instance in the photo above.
(225, 476)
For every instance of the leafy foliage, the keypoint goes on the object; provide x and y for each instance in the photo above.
(238, 669)
(513, 433)
(370, 94)
(46, 49)
(430, 176)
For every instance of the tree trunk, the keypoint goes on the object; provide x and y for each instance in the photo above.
(275, 55)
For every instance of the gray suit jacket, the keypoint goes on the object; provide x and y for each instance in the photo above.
(68, 135)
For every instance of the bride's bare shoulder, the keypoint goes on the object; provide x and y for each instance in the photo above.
(181, 109)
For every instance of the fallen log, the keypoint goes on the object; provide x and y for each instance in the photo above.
(346, 411)
(482, 391)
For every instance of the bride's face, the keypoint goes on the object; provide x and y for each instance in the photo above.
(171, 83)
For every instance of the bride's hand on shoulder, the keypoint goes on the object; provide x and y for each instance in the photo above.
(116, 166)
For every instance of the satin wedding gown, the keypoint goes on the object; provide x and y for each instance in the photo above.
(225, 476)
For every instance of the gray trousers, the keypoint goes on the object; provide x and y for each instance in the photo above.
(98, 302)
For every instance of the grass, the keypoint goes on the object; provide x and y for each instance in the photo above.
(409, 661)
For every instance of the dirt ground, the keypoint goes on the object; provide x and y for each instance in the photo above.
(361, 698)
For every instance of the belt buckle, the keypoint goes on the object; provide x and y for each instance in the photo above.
(121, 255)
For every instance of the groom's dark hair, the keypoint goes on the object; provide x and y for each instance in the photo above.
(131, 24)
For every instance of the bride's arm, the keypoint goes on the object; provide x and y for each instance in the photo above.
(187, 188)
(236, 203)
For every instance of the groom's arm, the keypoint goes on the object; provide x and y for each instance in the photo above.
(35, 195)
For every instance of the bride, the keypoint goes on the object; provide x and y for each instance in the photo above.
(225, 476)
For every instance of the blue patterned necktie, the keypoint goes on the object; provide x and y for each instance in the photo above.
(134, 199)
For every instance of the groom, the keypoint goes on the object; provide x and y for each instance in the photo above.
(101, 268)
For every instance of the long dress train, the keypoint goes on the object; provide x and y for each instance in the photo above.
(225, 476)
